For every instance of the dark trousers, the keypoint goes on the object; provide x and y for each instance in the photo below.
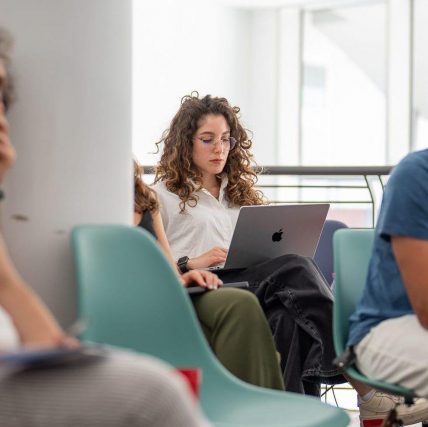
(298, 304)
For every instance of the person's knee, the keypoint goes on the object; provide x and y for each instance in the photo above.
(248, 302)
(292, 261)
(240, 301)
(243, 308)
(153, 378)
(302, 261)
(145, 376)
(233, 307)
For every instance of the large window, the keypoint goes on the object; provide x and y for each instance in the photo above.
(420, 73)
(343, 111)
(317, 86)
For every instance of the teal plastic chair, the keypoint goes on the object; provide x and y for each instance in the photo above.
(130, 297)
(352, 252)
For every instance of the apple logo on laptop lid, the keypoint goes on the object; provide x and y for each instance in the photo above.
(277, 236)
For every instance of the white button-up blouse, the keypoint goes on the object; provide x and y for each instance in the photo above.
(191, 233)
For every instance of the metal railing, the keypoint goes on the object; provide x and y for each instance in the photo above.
(299, 184)
(367, 182)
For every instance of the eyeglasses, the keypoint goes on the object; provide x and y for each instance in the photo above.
(228, 142)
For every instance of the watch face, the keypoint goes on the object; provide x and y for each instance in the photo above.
(182, 264)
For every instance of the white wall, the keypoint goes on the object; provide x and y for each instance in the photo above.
(72, 130)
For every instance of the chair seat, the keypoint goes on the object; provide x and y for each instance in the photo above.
(273, 409)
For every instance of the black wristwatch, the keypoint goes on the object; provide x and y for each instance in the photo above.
(182, 264)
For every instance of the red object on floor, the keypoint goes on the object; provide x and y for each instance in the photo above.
(194, 379)
(372, 423)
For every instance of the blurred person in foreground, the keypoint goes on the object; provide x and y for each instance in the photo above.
(118, 389)
(389, 329)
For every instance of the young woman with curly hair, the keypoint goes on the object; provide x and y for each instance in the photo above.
(204, 176)
(206, 154)
(185, 177)
(231, 319)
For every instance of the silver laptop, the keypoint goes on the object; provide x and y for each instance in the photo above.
(266, 232)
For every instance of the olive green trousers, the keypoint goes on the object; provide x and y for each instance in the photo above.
(239, 334)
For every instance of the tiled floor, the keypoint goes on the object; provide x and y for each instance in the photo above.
(346, 398)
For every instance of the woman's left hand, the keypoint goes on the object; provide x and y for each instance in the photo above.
(204, 279)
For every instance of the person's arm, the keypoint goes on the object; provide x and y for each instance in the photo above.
(211, 258)
(204, 279)
(412, 258)
(163, 241)
(34, 323)
(215, 256)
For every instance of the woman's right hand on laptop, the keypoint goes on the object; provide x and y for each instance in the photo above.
(213, 257)
(204, 279)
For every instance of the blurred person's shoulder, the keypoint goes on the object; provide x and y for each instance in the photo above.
(412, 169)
(416, 161)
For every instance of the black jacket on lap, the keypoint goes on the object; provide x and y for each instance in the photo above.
(298, 304)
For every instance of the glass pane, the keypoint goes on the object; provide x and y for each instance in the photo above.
(420, 81)
(343, 91)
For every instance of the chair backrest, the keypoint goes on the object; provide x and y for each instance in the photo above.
(130, 297)
(324, 253)
(352, 252)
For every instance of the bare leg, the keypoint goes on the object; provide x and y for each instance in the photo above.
(361, 388)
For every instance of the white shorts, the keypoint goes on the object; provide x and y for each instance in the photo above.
(396, 351)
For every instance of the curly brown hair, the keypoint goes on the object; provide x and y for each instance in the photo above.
(7, 92)
(144, 197)
(176, 168)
